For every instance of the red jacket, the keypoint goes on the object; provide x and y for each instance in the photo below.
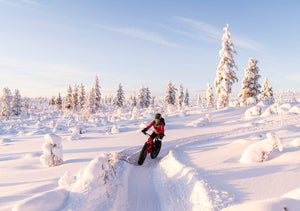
(158, 129)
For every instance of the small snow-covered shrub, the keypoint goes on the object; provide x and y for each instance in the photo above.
(52, 150)
(171, 108)
(251, 101)
(295, 142)
(295, 110)
(254, 111)
(201, 122)
(271, 110)
(114, 130)
(59, 127)
(135, 113)
(260, 151)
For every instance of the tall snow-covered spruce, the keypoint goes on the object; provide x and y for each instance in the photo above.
(6, 100)
(68, 102)
(144, 97)
(120, 97)
(209, 96)
(225, 76)
(17, 103)
(171, 93)
(250, 85)
(180, 97)
(97, 98)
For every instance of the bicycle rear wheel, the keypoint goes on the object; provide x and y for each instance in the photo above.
(143, 153)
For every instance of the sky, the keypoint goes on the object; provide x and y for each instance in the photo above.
(47, 45)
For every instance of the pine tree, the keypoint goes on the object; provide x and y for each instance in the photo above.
(52, 101)
(90, 102)
(147, 97)
(81, 96)
(187, 98)
(97, 94)
(171, 94)
(180, 97)
(209, 96)
(250, 85)
(133, 99)
(6, 100)
(17, 103)
(68, 102)
(267, 92)
(58, 102)
(144, 97)
(75, 101)
(120, 97)
(225, 76)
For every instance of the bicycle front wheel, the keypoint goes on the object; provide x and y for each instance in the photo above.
(143, 153)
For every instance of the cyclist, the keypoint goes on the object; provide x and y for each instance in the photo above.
(159, 129)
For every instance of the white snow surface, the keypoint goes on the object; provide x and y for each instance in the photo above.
(198, 167)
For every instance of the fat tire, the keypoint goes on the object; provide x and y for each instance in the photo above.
(143, 154)
(156, 150)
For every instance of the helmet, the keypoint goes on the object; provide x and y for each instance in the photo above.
(158, 116)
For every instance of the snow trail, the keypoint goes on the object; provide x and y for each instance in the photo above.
(142, 194)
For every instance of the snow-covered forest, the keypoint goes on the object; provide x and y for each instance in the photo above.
(222, 150)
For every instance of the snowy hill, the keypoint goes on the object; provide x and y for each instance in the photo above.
(198, 168)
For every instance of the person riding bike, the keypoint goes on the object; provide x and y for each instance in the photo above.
(159, 129)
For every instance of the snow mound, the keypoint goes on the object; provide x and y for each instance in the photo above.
(200, 122)
(295, 110)
(177, 181)
(260, 151)
(95, 186)
(295, 142)
(254, 111)
(48, 201)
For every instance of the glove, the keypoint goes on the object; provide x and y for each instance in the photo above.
(160, 136)
(144, 131)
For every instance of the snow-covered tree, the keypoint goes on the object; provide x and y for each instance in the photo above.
(132, 99)
(17, 103)
(97, 93)
(90, 102)
(225, 76)
(199, 100)
(52, 101)
(171, 93)
(209, 96)
(68, 102)
(6, 101)
(58, 102)
(180, 97)
(120, 97)
(75, 101)
(144, 97)
(186, 98)
(52, 150)
(250, 85)
(148, 97)
(81, 96)
(267, 92)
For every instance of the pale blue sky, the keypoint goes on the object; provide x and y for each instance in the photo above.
(46, 45)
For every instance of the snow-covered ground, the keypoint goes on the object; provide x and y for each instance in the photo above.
(211, 159)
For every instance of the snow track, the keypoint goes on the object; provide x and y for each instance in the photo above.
(141, 190)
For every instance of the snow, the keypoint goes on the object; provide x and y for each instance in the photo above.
(208, 161)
